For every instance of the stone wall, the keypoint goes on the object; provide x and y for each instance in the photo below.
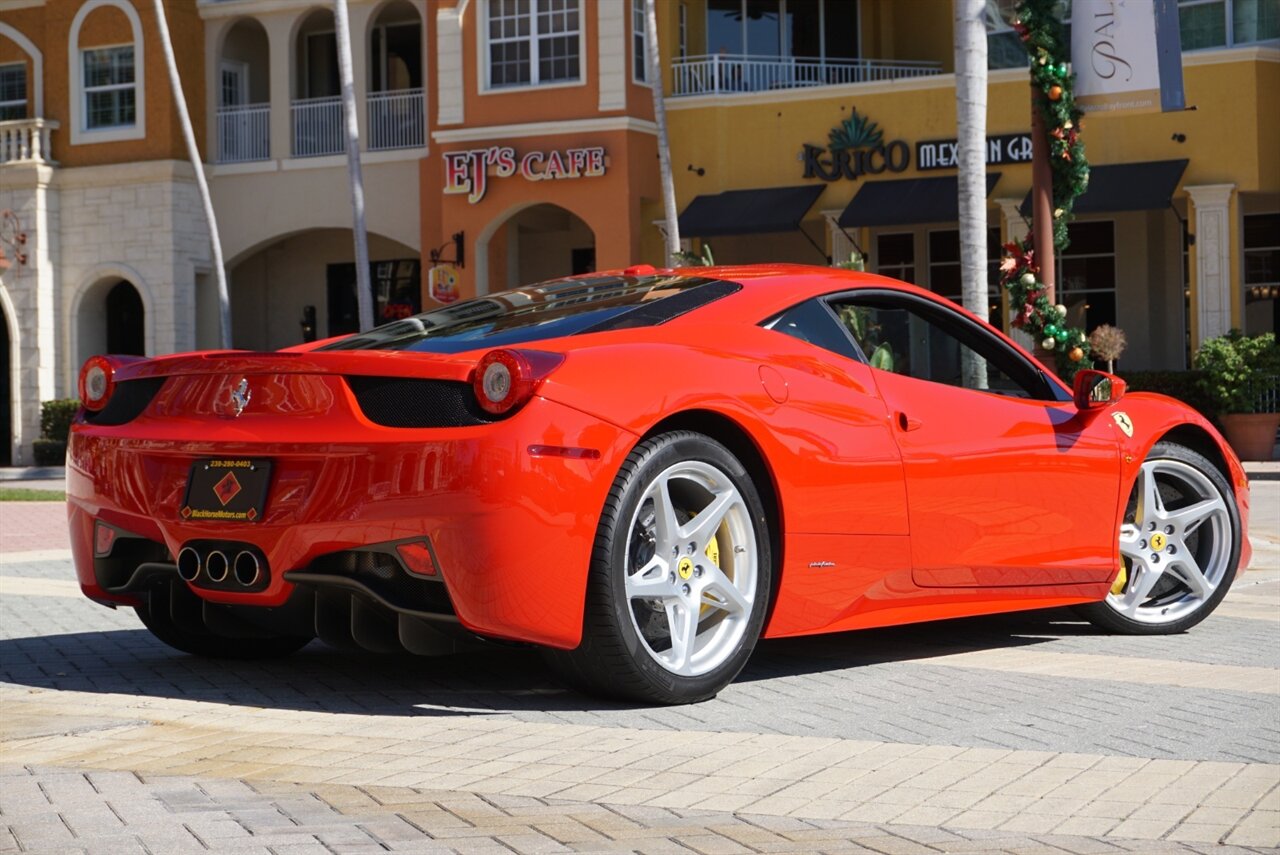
(141, 222)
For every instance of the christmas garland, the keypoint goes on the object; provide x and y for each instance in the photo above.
(1039, 25)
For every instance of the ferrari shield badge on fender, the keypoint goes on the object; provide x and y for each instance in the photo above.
(1122, 422)
(240, 396)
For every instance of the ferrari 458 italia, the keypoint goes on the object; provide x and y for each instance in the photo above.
(641, 472)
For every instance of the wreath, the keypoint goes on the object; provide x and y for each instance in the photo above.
(1040, 27)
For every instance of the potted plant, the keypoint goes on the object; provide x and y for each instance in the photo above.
(1241, 376)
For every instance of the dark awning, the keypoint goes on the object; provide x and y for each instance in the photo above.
(908, 201)
(1127, 187)
(749, 212)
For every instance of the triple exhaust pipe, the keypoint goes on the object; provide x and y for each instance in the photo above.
(216, 566)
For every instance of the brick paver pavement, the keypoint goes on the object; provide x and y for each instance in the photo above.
(1027, 733)
(33, 525)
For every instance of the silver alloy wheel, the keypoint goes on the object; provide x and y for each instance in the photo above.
(689, 611)
(1176, 543)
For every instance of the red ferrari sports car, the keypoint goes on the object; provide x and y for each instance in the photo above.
(642, 472)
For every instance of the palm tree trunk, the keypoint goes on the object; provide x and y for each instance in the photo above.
(654, 71)
(193, 154)
(971, 134)
(364, 289)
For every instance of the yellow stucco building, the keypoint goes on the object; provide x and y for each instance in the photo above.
(750, 84)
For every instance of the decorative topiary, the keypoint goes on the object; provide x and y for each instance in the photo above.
(1239, 373)
(56, 417)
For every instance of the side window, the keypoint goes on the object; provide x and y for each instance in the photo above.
(919, 340)
(813, 322)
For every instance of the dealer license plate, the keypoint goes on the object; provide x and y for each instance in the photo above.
(227, 490)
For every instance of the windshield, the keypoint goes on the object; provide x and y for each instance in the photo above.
(552, 309)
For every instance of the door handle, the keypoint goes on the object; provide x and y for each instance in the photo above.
(907, 424)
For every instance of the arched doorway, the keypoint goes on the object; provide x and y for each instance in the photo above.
(244, 94)
(302, 286)
(540, 242)
(6, 389)
(111, 319)
(396, 105)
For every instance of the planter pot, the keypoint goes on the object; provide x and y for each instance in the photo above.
(1252, 435)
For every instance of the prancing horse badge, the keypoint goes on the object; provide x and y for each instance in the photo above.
(1122, 422)
(240, 396)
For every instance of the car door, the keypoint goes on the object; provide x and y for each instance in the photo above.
(1008, 484)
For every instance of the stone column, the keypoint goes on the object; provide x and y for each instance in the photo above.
(360, 19)
(32, 304)
(279, 29)
(1211, 285)
(838, 238)
(449, 77)
(1015, 227)
(611, 53)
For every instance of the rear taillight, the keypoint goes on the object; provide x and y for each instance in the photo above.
(97, 382)
(505, 379)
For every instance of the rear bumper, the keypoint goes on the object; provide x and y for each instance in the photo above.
(512, 531)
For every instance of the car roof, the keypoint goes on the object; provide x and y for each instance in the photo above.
(770, 288)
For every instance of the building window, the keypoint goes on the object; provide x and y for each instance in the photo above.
(534, 42)
(1261, 273)
(110, 97)
(1004, 47)
(1087, 275)
(944, 269)
(896, 256)
(816, 29)
(13, 91)
(1225, 23)
(639, 61)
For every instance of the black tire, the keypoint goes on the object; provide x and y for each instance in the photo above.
(199, 641)
(1104, 616)
(613, 660)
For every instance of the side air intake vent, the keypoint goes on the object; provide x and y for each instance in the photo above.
(128, 401)
(402, 402)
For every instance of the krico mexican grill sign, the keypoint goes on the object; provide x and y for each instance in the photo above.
(856, 147)
(469, 171)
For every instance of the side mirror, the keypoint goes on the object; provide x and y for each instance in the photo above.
(1094, 389)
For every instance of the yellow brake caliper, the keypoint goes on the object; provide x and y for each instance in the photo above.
(1123, 579)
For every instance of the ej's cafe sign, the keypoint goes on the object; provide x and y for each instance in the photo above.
(469, 171)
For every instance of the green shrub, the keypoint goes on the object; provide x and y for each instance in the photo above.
(49, 452)
(1186, 386)
(55, 418)
(1240, 373)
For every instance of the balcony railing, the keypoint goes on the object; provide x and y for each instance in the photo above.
(317, 127)
(731, 73)
(396, 119)
(244, 133)
(26, 141)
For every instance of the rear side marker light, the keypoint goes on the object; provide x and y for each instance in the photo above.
(565, 451)
(417, 558)
(505, 379)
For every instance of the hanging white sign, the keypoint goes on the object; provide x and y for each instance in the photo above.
(1123, 58)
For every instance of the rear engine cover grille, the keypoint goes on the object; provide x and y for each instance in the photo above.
(407, 403)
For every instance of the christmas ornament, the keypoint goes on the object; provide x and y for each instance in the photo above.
(1055, 93)
(1028, 279)
(1061, 310)
(1049, 343)
(1076, 354)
